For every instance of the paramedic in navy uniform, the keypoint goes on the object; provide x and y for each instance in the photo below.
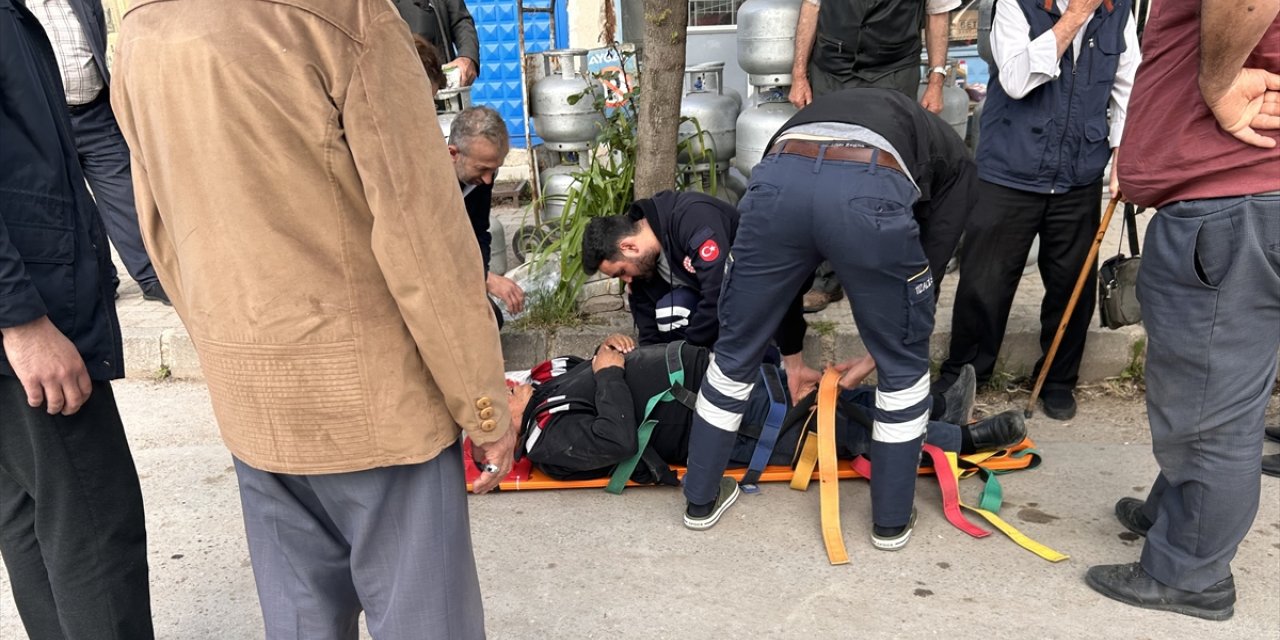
(671, 250)
(871, 181)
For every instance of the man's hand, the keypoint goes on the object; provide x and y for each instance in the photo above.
(853, 372)
(1250, 103)
(498, 453)
(506, 290)
(48, 366)
(606, 358)
(1083, 7)
(932, 98)
(801, 94)
(1114, 184)
(801, 379)
(467, 72)
(618, 342)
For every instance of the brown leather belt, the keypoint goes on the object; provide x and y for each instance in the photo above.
(837, 151)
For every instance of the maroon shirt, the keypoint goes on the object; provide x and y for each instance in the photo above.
(1172, 148)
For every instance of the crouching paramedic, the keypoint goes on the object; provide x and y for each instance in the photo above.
(870, 181)
(671, 250)
(584, 422)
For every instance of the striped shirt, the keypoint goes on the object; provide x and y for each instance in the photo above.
(80, 77)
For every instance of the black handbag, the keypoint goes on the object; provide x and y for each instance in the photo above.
(1118, 279)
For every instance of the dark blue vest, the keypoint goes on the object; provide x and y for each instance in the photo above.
(1055, 138)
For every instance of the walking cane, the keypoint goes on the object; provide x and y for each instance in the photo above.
(1071, 306)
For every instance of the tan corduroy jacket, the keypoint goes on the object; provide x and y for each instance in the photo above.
(299, 205)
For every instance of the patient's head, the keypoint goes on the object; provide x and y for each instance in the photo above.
(517, 401)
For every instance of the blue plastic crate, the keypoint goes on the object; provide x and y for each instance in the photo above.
(499, 83)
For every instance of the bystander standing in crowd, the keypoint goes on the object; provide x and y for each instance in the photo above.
(78, 32)
(1201, 146)
(448, 25)
(1044, 148)
(318, 252)
(72, 530)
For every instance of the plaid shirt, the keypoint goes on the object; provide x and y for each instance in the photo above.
(80, 77)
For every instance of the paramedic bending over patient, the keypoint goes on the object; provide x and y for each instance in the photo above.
(872, 182)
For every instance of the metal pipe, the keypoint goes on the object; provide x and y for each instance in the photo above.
(534, 188)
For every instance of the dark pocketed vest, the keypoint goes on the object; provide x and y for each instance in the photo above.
(867, 38)
(1055, 138)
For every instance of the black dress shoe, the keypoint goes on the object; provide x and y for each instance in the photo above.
(1273, 433)
(1271, 465)
(155, 292)
(1130, 584)
(1000, 431)
(1059, 404)
(1129, 513)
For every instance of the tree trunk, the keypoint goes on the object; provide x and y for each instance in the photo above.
(661, 86)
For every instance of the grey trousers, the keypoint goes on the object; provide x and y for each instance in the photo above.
(394, 542)
(1210, 293)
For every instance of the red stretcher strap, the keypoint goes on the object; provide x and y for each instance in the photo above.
(950, 491)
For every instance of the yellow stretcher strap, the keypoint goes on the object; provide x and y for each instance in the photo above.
(996, 521)
(808, 460)
(828, 474)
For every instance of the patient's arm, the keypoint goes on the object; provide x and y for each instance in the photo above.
(581, 441)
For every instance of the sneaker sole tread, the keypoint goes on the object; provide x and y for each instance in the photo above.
(702, 524)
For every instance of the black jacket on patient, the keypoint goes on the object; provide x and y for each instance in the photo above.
(580, 424)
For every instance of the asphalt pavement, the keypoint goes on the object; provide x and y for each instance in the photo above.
(585, 564)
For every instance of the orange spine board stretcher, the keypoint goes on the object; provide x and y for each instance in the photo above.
(538, 481)
(530, 479)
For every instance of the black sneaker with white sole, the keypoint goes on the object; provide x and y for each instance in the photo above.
(893, 538)
(700, 517)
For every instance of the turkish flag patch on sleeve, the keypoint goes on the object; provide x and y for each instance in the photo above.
(709, 251)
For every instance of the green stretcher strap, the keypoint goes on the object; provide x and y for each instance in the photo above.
(992, 496)
(1009, 530)
(675, 379)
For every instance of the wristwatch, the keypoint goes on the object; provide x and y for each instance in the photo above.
(942, 71)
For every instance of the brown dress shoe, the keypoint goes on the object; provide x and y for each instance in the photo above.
(815, 300)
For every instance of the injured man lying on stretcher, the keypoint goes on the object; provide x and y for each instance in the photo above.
(580, 418)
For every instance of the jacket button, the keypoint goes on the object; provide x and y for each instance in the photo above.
(486, 413)
(484, 403)
(488, 425)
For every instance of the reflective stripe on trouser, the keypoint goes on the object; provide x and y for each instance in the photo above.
(796, 212)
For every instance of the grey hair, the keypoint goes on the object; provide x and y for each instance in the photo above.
(478, 122)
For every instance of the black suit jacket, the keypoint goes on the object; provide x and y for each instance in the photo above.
(426, 17)
(478, 203)
(53, 250)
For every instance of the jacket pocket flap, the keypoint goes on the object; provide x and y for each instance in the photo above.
(1096, 130)
(1112, 43)
(43, 245)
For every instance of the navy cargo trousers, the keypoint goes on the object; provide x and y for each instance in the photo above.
(797, 212)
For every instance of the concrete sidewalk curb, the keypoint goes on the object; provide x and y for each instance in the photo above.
(151, 352)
